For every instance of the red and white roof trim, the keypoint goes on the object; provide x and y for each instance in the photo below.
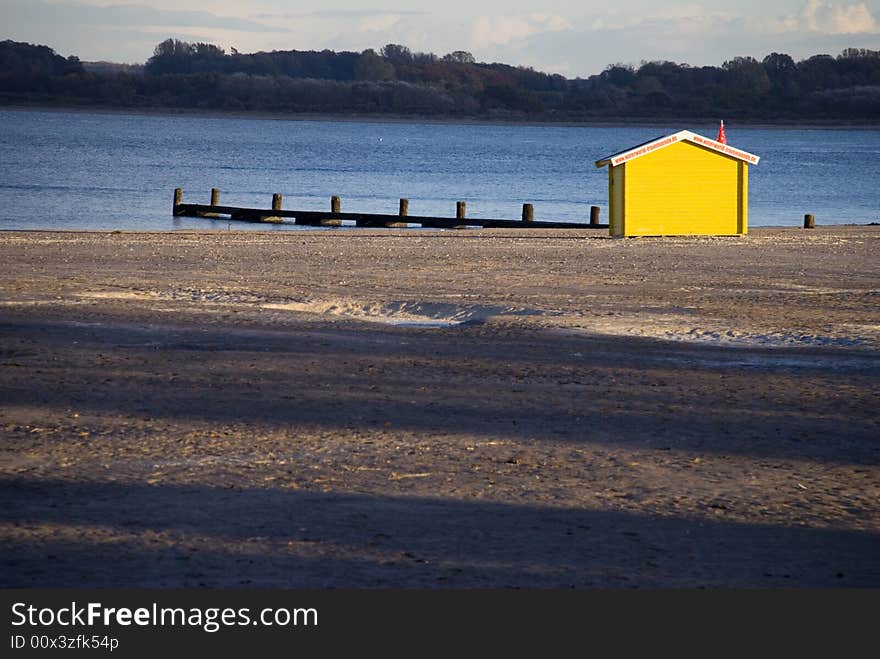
(681, 136)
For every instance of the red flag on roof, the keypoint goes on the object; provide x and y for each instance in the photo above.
(721, 136)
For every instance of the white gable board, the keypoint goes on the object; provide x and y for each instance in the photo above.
(681, 136)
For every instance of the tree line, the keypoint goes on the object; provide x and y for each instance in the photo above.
(397, 81)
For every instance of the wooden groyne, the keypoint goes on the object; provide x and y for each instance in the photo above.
(335, 217)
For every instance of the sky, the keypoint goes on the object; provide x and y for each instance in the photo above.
(570, 37)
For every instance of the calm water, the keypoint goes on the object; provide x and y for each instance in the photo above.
(62, 170)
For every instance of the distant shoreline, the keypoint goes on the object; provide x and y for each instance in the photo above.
(465, 121)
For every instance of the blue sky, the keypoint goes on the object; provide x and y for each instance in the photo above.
(574, 38)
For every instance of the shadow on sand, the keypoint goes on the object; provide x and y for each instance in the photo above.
(133, 535)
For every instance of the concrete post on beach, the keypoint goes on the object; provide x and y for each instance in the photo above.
(594, 216)
(528, 214)
(809, 221)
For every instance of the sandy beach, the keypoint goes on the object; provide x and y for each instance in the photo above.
(440, 409)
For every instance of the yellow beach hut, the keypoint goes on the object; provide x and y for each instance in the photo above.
(682, 184)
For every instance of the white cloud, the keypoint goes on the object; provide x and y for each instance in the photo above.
(379, 23)
(830, 18)
(130, 16)
(361, 30)
(501, 30)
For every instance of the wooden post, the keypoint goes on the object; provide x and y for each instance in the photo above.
(594, 216)
(404, 208)
(809, 222)
(528, 213)
(276, 206)
(460, 210)
(335, 204)
(215, 201)
(178, 199)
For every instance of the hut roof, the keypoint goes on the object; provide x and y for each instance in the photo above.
(681, 136)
